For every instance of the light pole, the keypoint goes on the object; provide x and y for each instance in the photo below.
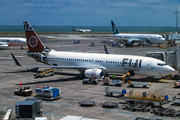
(176, 13)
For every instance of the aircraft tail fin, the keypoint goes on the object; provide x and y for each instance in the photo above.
(33, 41)
(106, 50)
(74, 28)
(115, 30)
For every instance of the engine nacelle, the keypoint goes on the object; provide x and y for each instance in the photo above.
(94, 73)
(130, 42)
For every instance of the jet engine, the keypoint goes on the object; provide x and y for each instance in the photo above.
(130, 42)
(94, 73)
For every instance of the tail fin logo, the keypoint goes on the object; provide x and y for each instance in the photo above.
(33, 41)
(114, 27)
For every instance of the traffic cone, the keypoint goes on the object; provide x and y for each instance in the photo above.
(20, 83)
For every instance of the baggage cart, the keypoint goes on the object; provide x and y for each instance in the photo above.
(110, 93)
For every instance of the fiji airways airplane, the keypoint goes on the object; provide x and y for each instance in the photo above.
(143, 38)
(92, 65)
(12, 41)
(81, 30)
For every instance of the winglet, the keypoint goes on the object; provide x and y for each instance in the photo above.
(106, 50)
(16, 61)
(115, 30)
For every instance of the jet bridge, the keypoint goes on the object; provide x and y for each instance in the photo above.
(171, 56)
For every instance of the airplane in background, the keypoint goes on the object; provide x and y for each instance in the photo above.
(92, 65)
(81, 30)
(143, 38)
(5, 42)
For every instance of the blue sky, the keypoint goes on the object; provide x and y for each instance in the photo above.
(89, 12)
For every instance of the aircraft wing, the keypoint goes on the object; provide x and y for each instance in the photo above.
(3, 45)
(60, 67)
(57, 67)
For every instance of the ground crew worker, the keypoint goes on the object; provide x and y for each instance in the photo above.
(113, 77)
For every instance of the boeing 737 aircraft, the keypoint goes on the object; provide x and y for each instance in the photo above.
(92, 65)
(131, 38)
(81, 30)
(12, 41)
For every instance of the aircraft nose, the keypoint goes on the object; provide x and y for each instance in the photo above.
(169, 69)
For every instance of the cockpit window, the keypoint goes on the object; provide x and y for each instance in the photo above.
(160, 37)
(161, 64)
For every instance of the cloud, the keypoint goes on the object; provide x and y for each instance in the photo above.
(88, 12)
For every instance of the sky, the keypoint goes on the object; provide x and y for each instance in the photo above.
(89, 12)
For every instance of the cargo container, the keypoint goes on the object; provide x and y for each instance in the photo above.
(28, 108)
(47, 93)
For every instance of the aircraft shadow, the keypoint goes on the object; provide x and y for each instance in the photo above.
(28, 70)
(63, 73)
(114, 96)
(52, 81)
(148, 80)
(113, 85)
(138, 87)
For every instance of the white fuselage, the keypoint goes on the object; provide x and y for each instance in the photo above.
(153, 38)
(82, 30)
(13, 41)
(113, 63)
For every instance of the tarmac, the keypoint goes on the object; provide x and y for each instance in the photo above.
(73, 91)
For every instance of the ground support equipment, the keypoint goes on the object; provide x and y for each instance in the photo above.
(24, 91)
(110, 104)
(87, 103)
(110, 93)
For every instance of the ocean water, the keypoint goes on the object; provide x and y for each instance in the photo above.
(93, 29)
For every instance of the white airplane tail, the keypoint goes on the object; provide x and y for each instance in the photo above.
(33, 41)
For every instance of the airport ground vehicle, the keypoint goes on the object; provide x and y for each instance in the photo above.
(144, 85)
(107, 81)
(110, 105)
(90, 81)
(155, 99)
(175, 101)
(137, 107)
(110, 93)
(47, 93)
(177, 83)
(165, 111)
(45, 73)
(24, 91)
(87, 103)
